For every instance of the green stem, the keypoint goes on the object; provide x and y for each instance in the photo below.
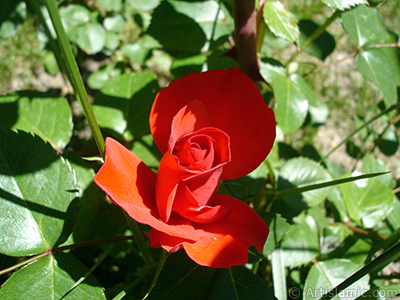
(161, 264)
(311, 187)
(35, 7)
(74, 74)
(67, 247)
(123, 293)
(25, 262)
(141, 243)
(315, 35)
(380, 260)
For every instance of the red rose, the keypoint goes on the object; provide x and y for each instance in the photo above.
(210, 126)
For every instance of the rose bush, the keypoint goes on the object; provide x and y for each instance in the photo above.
(209, 126)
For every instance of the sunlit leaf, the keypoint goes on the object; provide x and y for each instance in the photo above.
(114, 23)
(291, 104)
(372, 165)
(144, 5)
(277, 230)
(343, 4)
(375, 66)
(302, 86)
(74, 15)
(300, 245)
(365, 25)
(271, 69)
(302, 172)
(40, 113)
(91, 38)
(325, 275)
(281, 21)
(38, 195)
(123, 105)
(368, 201)
(110, 5)
(51, 278)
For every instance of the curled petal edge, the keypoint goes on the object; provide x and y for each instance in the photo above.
(224, 243)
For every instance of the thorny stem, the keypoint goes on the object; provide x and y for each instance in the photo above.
(246, 38)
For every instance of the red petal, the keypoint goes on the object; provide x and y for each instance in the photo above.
(225, 243)
(171, 173)
(190, 118)
(190, 207)
(130, 184)
(234, 105)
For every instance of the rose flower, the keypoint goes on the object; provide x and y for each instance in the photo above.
(209, 126)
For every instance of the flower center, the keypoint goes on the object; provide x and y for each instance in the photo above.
(195, 152)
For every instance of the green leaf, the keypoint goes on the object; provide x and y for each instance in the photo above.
(323, 46)
(365, 26)
(375, 66)
(239, 283)
(394, 216)
(91, 38)
(280, 21)
(39, 113)
(114, 23)
(52, 277)
(278, 274)
(325, 275)
(271, 69)
(300, 245)
(100, 78)
(50, 63)
(182, 26)
(90, 200)
(184, 65)
(375, 165)
(112, 41)
(277, 230)
(74, 15)
(124, 104)
(291, 104)
(144, 5)
(147, 151)
(333, 237)
(110, 5)
(302, 172)
(38, 195)
(319, 113)
(8, 8)
(338, 241)
(181, 278)
(302, 86)
(368, 201)
(389, 143)
(343, 4)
